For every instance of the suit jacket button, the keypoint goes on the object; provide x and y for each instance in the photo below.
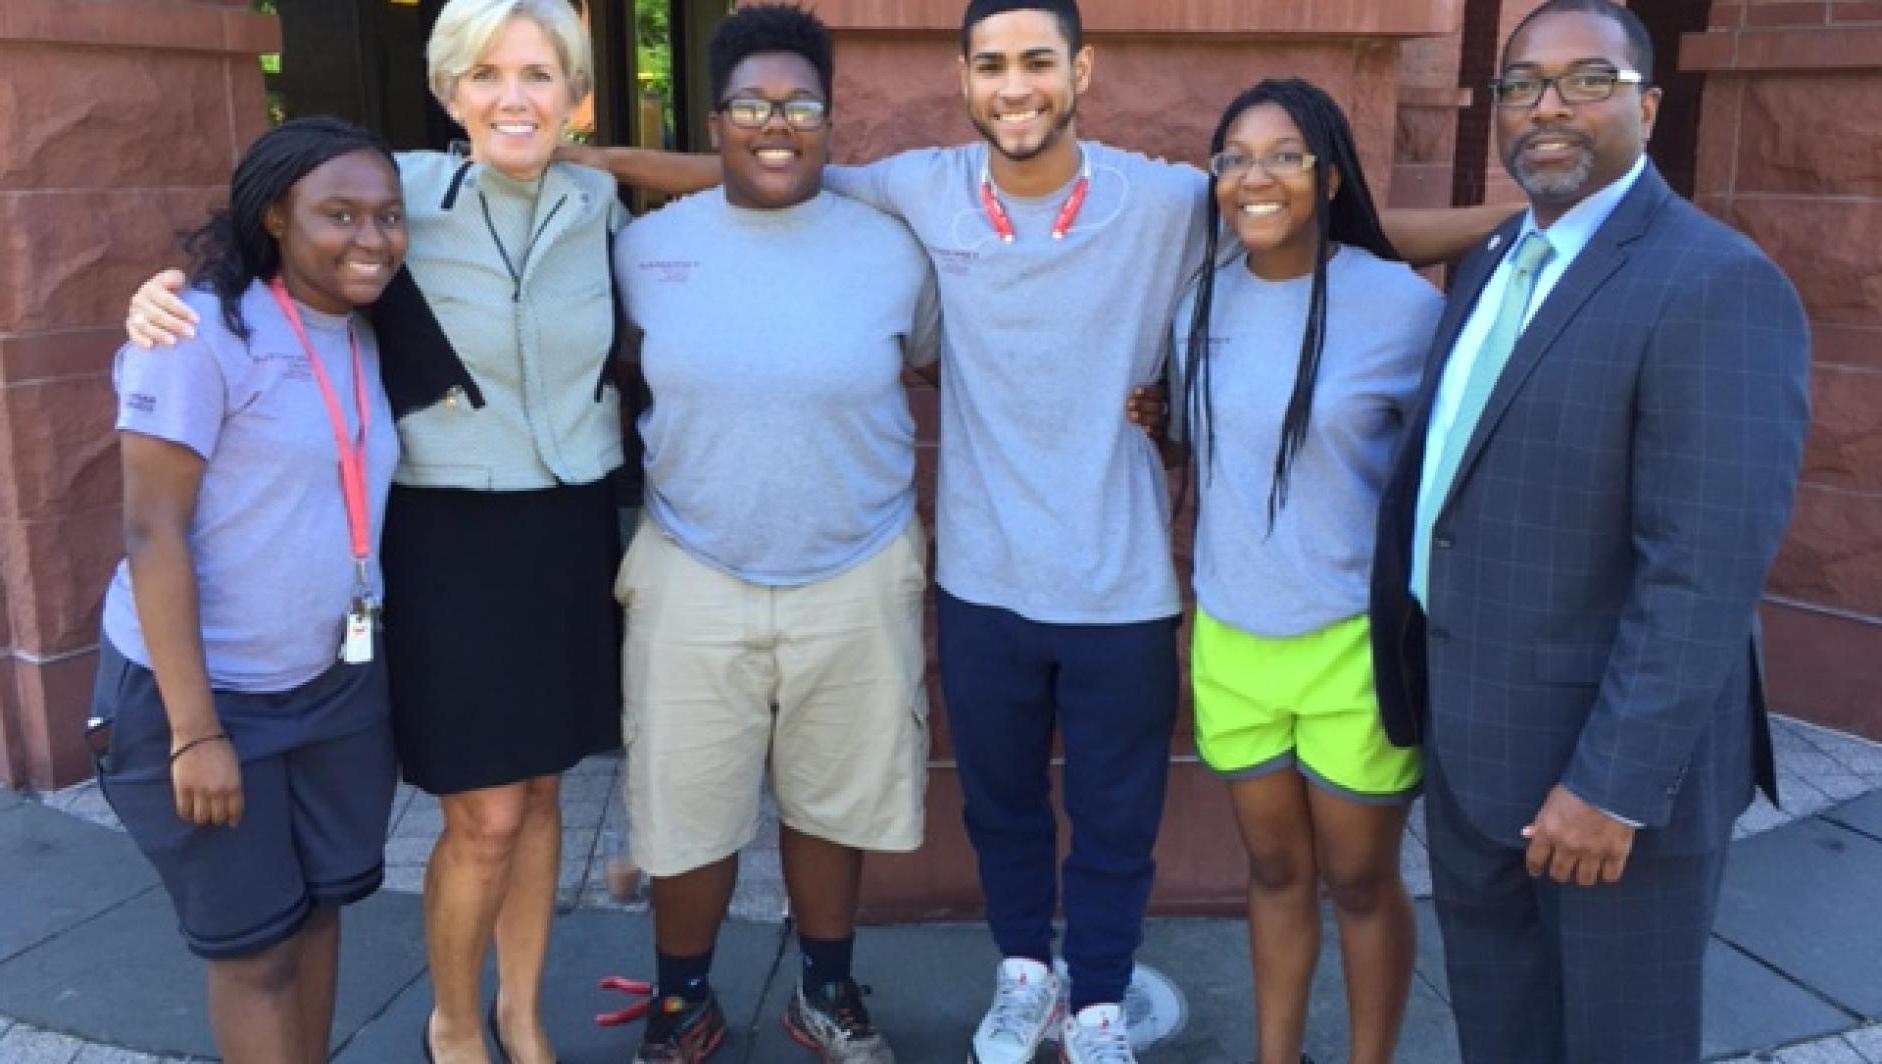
(1439, 635)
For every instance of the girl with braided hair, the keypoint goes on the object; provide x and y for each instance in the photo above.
(1298, 350)
(253, 769)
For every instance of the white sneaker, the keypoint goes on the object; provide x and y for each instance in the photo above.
(1097, 1035)
(1025, 1004)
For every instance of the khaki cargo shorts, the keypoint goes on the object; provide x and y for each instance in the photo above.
(823, 684)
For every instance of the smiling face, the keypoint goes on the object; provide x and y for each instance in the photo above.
(515, 100)
(1560, 152)
(1273, 217)
(341, 232)
(1022, 82)
(776, 165)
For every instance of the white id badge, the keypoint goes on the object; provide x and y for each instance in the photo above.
(356, 648)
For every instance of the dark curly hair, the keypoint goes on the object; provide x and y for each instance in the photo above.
(763, 28)
(234, 249)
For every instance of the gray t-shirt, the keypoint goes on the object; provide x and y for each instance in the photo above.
(274, 560)
(1051, 504)
(1312, 568)
(779, 447)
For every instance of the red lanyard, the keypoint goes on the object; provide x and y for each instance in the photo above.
(352, 453)
(1003, 222)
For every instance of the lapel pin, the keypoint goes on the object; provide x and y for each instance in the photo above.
(1496, 241)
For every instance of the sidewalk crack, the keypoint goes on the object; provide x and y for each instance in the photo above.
(1853, 1014)
(764, 992)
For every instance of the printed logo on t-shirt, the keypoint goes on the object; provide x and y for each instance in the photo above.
(669, 271)
(292, 365)
(142, 402)
(958, 263)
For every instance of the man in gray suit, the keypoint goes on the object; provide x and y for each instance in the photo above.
(1571, 550)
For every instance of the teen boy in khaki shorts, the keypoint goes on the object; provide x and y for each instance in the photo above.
(774, 592)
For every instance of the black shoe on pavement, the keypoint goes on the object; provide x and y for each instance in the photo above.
(681, 1031)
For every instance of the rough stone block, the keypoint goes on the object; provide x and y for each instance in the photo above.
(1425, 135)
(71, 259)
(55, 571)
(1726, 14)
(1854, 346)
(53, 701)
(51, 356)
(1812, 133)
(1812, 48)
(12, 743)
(1409, 18)
(1846, 11)
(1845, 447)
(1827, 248)
(895, 95)
(1718, 134)
(57, 442)
(1833, 555)
(1430, 62)
(106, 118)
(1824, 668)
(1421, 185)
(1767, 15)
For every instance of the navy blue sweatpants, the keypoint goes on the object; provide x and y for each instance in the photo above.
(1110, 692)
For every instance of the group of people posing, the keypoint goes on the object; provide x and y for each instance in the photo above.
(1504, 549)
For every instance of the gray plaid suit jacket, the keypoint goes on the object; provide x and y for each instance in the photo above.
(1596, 569)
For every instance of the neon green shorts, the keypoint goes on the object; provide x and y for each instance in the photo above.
(1305, 701)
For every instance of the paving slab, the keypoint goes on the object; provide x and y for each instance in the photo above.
(25, 1045)
(125, 979)
(10, 799)
(1750, 1008)
(1868, 1042)
(1794, 898)
(1863, 815)
(585, 946)
(57, 872)
(932, 982)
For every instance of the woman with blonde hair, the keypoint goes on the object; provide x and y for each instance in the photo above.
(503, 532)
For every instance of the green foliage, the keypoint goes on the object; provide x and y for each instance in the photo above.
(653, 46)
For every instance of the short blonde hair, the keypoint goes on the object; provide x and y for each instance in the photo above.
(467, 28)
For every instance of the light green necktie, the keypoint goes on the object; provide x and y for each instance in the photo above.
(1525, 263)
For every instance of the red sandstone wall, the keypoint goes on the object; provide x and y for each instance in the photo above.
(1788, 153)
(119, 121)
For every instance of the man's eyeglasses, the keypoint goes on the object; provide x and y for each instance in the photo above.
(1288, 162)
(753, 112)
(1588, 85)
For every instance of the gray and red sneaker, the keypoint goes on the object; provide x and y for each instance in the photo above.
(681, 1031)
(834, 1023)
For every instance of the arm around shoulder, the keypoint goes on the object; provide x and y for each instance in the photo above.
(1433, 236)
(670, 173)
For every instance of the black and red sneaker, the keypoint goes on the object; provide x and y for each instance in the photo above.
(681, 1031)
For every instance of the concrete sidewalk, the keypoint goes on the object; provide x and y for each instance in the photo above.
(91, 969)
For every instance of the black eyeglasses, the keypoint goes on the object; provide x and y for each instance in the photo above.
(754, 112)
(1586, 85)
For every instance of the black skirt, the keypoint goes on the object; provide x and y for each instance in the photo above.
(502, 635)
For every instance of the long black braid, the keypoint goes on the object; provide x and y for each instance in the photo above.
(1350, 217)
(235, 249)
